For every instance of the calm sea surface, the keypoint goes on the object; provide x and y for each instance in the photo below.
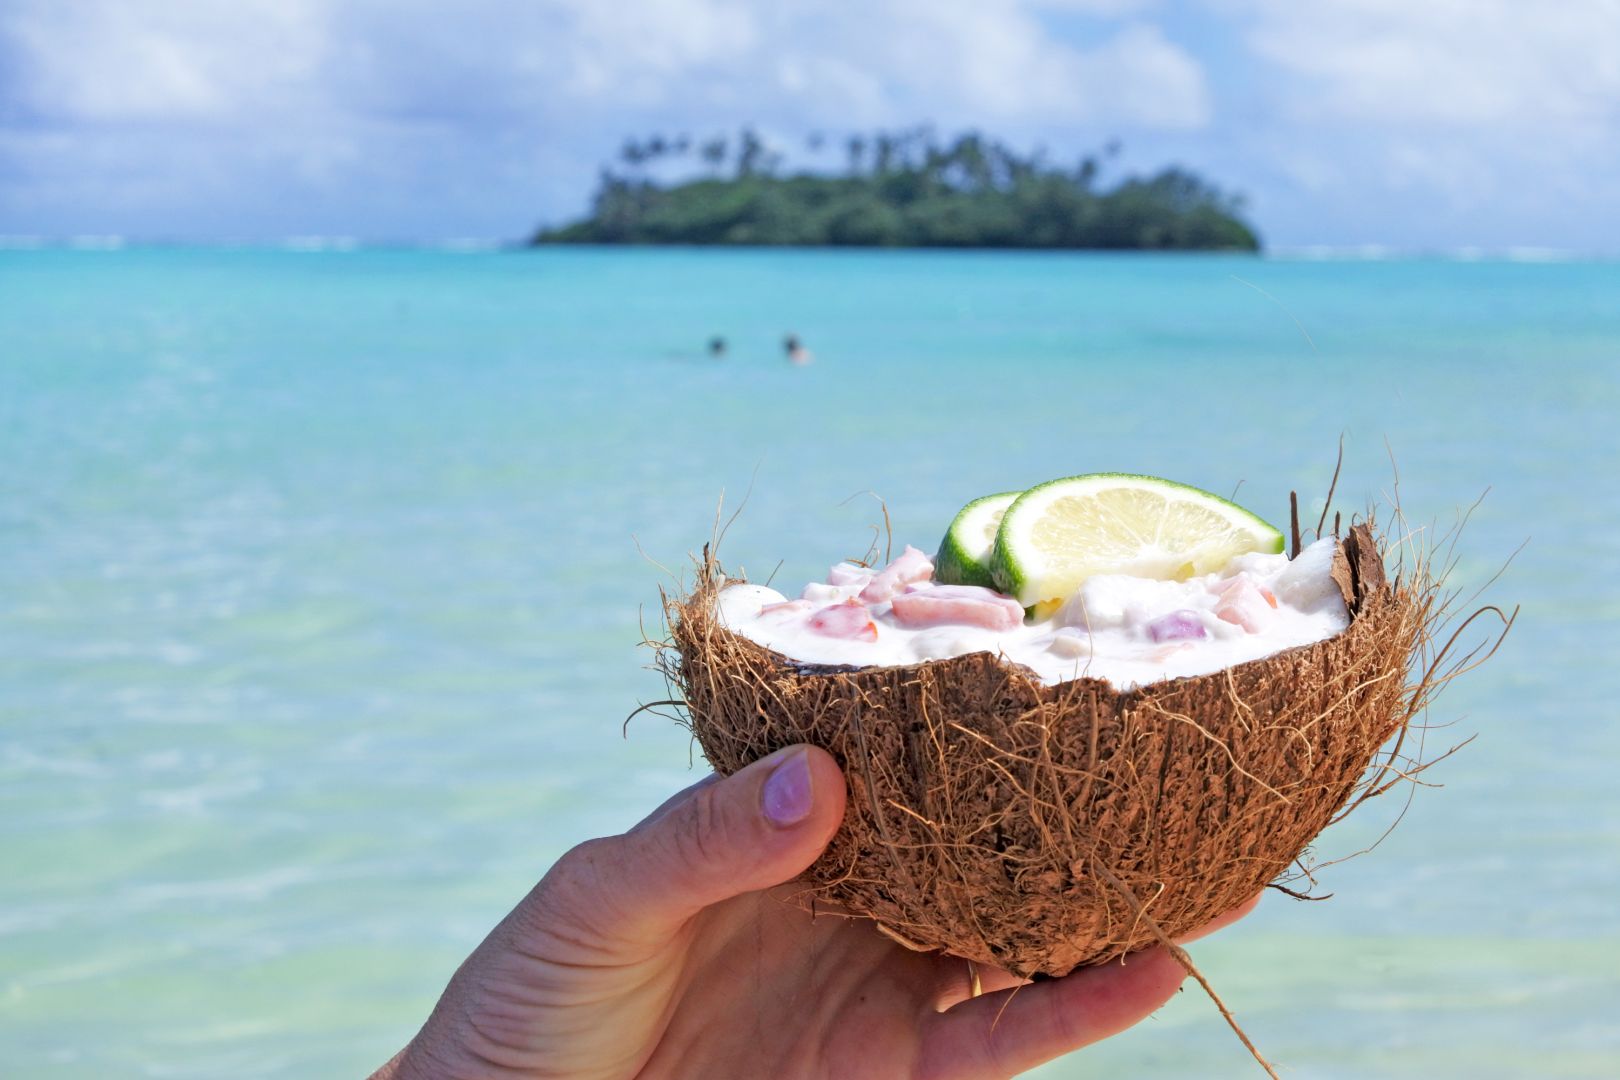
(320, 595)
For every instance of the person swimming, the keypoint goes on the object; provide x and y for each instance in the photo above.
(796, 352)
(717, 347)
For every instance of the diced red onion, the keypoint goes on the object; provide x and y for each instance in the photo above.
(1177, 626)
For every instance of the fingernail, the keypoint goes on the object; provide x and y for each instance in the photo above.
(787, 797)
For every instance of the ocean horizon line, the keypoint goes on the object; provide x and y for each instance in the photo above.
(478, 245)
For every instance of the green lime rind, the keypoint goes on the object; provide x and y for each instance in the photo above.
(1126, 538)
(964, 553)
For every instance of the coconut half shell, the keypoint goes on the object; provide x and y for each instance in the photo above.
(1041, 828)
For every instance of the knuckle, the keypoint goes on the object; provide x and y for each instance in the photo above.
(576, 872)
(570, 900)
(706, 832)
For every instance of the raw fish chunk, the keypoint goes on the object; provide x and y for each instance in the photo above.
(847, 573)
(850, 621)
(969, 605)
(1245, 604)
(911, 566)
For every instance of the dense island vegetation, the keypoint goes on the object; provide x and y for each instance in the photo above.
(902, 190)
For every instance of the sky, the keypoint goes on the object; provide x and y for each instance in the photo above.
(1410, 124)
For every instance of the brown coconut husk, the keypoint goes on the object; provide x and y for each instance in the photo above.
(1043, 828)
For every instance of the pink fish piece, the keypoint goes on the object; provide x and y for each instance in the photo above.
(1245, 604)
(850, 621)
(968, 605)
(912, 565)
(1243, 585)
(848, 574)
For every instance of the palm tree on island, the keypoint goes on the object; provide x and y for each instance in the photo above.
(902, 189)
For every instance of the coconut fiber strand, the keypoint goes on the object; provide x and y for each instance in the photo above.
(1005, 821)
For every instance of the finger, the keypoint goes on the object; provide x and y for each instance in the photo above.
(679, 797)
(1221, 922)
(957, 980)
(754, 829)
(1008, 1032)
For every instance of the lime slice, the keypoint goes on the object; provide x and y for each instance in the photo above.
(964, 554)
(1056, 535)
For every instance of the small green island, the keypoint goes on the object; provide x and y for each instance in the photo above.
(900, 190)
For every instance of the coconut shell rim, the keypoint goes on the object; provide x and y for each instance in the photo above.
(1355, 575)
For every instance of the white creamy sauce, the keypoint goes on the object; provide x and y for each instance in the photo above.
(1127, 630)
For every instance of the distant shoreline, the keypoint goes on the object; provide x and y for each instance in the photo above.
(346, 245)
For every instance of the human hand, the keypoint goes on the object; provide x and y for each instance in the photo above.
(672, 951)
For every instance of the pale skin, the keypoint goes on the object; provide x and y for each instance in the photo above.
(672, 951)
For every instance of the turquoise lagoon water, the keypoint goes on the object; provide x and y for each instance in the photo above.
(321, 589)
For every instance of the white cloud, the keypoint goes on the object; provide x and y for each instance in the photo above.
(1488, 121)
(103, 60)
(996, 62)
(631, 53)
(1100, 8)
(888, 61)
(1454, 64)
(1145, 79)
